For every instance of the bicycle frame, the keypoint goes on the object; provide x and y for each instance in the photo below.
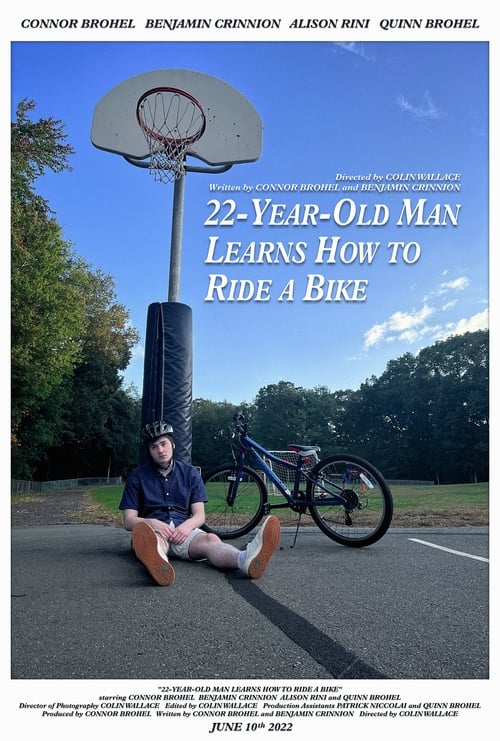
(252, 449)
(345, 495)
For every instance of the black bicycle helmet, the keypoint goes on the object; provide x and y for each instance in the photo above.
(155, 430)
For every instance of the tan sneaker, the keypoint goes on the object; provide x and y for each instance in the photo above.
(147, 548)
(262, 548)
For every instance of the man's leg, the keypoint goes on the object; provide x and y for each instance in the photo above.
(150, 549)
(252, 561)
(259, 552)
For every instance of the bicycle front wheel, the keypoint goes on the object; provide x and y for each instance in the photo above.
(235, 501)
(365, 513)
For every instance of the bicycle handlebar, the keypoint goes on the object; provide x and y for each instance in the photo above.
(239, 423)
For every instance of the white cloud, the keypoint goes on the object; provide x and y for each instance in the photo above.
(459, 284)
(425, 110)
(471, 324)
(354, 47)
(374, 335)
(401, 325)
(412, 327)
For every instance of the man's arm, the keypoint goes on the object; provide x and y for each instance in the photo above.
(131, 518)
(197, 518)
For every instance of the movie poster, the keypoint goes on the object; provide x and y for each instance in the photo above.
(350, 226)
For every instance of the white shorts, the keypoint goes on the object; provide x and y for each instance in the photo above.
(182, 550)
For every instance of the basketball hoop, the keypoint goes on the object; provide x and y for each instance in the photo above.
(170, 119)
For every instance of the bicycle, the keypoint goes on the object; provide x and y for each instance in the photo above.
(347, 497)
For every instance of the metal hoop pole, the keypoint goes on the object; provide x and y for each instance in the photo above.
(176, 239)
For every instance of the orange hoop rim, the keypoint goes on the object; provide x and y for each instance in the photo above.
(170, 141)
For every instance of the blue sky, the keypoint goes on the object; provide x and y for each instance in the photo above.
(387, 110)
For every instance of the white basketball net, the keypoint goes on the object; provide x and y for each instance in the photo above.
(171, 120)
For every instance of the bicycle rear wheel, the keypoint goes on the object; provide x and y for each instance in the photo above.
(231, 514)
(366, 513)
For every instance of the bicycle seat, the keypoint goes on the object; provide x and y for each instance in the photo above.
(304, 449)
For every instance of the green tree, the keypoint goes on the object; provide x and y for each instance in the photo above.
(211, 432)
(455, 373)
(46, 318)
(279, 415)
(383, 415)
(283, 413)
(70, 337)
(97, 405)
(426, 416)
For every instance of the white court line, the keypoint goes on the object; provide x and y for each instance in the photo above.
(450, 550)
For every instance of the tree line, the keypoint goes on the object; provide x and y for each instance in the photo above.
(425, 417)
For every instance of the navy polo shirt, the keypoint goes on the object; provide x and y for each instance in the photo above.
(164, 498)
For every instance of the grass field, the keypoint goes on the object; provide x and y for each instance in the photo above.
(452, 505)
(448, 505)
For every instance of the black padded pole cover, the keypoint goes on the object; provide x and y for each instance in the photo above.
(168, 373)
